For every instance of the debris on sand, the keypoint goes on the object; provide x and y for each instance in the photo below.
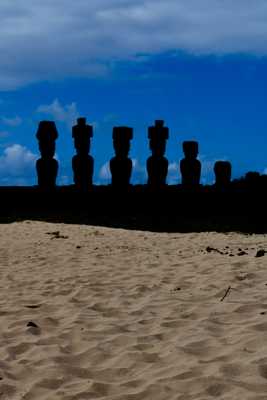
(260, 253)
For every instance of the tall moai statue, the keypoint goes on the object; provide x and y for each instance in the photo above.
(157, 164)
(82, 162)
(47, 166)
(121, 164)
(223, 172)
(190, 166)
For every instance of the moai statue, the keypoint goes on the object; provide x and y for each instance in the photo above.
(121, 164)
(47, 166)
(82, 162)
(157, 164)
(223, 172)
(190, 166)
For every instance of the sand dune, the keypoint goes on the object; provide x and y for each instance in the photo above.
(98, 313)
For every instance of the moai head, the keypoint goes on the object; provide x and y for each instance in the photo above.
(47, 135)
(122, 135)
(82, 134)
(190, 166)
(158, 135)
(190, 149)
(223, 172)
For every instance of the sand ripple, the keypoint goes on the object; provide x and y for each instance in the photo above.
(125, 315)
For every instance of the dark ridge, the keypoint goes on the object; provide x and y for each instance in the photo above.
(172, 209)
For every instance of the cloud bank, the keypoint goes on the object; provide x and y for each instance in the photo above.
(52, 39)
(60, 113)
(17, 165)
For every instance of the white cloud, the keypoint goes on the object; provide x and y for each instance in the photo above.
(60, 113)
(54, 39)
(174, 176)
(104, 173)
(207, 168)
(16, 159)
(13, 122)
(17, 165)
(139, 174)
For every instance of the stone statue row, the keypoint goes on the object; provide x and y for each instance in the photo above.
(121, 164)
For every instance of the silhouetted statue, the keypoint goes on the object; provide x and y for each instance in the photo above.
(121, 164)
(190, 167)
(223, 172)
(82, 162)
(47, 166)
(157, 164)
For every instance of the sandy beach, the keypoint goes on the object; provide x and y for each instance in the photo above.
(101, 313)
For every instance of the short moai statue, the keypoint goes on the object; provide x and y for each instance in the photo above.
(82, 162)
(157, 164)
(121, 164)
(190, 166)
(223, 172)
(47, 166)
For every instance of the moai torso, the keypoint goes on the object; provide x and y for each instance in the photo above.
(157, 164)
(82, 162)
(157, 169)
(121, 164)
(47, 166)
(190, 166)
(223, 171)
(83, 171)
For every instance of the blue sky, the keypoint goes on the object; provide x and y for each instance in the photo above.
(200, 66)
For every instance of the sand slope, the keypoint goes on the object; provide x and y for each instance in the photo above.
(128, 315)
